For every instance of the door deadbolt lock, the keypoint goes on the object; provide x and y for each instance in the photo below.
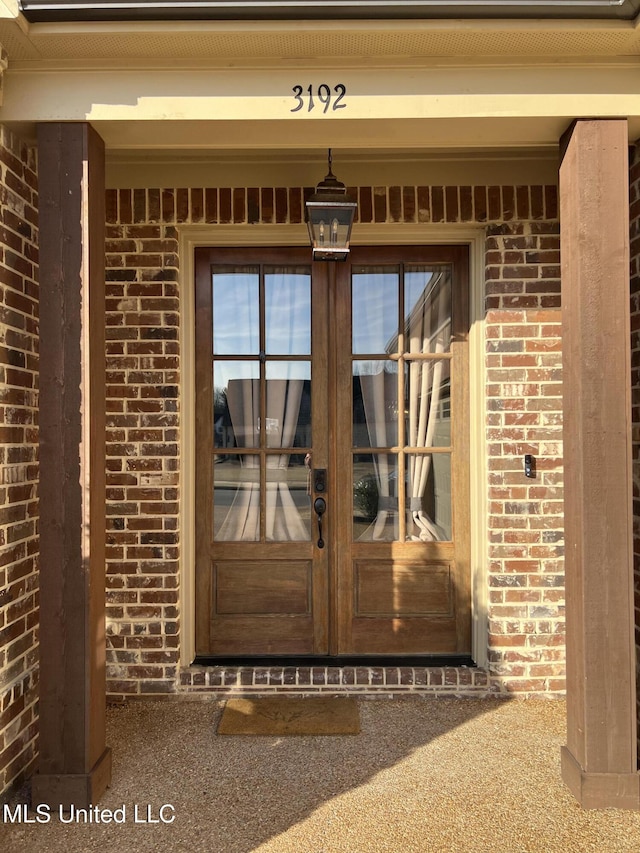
(320, 479)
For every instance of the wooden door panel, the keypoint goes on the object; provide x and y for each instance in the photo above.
(401, 452)
(402, 636)
(261, 401)
(262, 635)
(402, 588)
(266, 588)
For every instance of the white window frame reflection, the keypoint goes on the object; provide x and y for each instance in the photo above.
(427, 328)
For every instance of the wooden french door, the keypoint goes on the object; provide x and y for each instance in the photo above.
(261, 404)
(401, 439)
(332, 453)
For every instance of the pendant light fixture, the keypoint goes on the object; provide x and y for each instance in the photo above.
(330, 214)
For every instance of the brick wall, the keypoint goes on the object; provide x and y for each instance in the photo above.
(18, 460)
(142, 453)
(634, 212)
(523, 416)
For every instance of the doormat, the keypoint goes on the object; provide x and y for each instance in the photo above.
(282, 715)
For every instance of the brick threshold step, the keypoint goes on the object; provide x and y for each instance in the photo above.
(247, 680)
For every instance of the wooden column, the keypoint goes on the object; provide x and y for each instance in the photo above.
(599, 762)
(75, 764)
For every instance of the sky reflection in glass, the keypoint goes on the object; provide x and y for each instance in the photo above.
(236, 312)
(288, 312)
(375, 309)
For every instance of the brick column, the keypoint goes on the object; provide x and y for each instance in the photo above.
(599, 761)
(75, 765)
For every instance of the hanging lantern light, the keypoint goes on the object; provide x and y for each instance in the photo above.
(330, 214)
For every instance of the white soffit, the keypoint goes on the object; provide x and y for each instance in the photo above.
(294, 41)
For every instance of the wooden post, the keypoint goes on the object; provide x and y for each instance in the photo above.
(599, 762)
(75, 765)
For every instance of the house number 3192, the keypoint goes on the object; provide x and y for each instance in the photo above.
(322, 96)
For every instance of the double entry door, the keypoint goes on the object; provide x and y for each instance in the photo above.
(332, 460)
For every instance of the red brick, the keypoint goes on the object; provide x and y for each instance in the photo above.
(451, 204)
(365, 205)
(380, 204)
(424, 205)
(408, 204)
(239, 205)
(395, 204)
(226, 205)
(197, 204)
(295, 207)
(168, 209)
(125, 206)
(153, 205)
(437, 204)
(139, 205)
(18, 402)
(267, 204)
(182, 205)
(211, 205)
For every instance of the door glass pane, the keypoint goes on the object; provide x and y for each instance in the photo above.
(375, 309)
(236, 311)
(428, 403)
(375, 403)
(236, 484)
(288, 420)
(427, 308)
(428, 498)
(375, 497)
(287, 512)
(236, 498)
(236, 403)
(288, 310)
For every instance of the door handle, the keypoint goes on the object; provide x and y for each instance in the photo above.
(320, 507)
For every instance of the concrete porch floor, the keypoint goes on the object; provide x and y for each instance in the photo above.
(424, 774)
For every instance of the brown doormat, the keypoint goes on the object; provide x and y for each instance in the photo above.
(282, 715)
